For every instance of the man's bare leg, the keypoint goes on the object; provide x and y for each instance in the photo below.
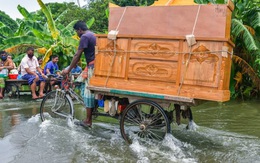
(1, 92)
(42, 85)
(88, 120)
(33, 89)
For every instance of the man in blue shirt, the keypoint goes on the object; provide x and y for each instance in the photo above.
(52, 67)
(76, 70)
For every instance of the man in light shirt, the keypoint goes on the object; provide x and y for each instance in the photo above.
(31, 71)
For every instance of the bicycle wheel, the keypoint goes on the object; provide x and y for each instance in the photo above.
(145, 119)
(56, 104)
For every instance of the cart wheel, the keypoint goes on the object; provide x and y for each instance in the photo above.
(145, 119)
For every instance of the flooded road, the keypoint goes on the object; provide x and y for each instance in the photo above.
(222, 132)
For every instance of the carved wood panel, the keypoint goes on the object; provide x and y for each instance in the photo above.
(108, 62)
(155, 49)
(203, 67)
(153, 70)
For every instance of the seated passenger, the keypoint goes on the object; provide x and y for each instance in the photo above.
(52, 68)
(5, 66)
(40, 60)
(31, 71)
(10, 57)
(76, 70)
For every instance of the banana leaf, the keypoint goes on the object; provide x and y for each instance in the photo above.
(240, 31)
(5, 31)
(24, 12)
(47, 56)
(90, 22)
(69, 41)
(23, 40)
(50, 21)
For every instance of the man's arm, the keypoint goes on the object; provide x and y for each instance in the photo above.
(75, 59)
(40, 70)
(48, 71)
(10, 65)
(30, 72)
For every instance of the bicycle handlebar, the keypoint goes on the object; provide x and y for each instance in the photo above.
(51, 75)
(55, 77)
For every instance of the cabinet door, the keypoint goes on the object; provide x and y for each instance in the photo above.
(202, 67)
(111, 57)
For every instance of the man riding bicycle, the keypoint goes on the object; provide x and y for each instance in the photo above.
(87, 45)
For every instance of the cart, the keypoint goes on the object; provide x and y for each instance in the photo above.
(163, 59)
(151, 68)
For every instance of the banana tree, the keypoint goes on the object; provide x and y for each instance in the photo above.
(47, 38)
(245, 32)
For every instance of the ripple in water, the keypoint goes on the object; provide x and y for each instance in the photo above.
(58, 140)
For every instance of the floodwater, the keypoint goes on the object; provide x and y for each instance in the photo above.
(221, 132)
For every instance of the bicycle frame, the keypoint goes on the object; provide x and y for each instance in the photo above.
(62, 97)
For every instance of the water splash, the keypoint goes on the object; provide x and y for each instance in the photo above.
(70, 121)
(55, 140)
(34, 119)
(192, 125)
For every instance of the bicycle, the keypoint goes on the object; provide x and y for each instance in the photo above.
(58, 103)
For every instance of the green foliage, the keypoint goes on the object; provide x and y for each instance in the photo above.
(210, 1)
(24, 12)
(7, 26)
(245, 32)
(64, 13)
(42, 35)
(123, 3)
(9, 22)
(240, 31)
(99, 10)
(50, 21)
(5, 31)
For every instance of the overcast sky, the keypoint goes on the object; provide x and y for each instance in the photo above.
(10, 6)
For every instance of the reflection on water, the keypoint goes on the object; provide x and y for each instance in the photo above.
(14, 111)
(226, 132)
